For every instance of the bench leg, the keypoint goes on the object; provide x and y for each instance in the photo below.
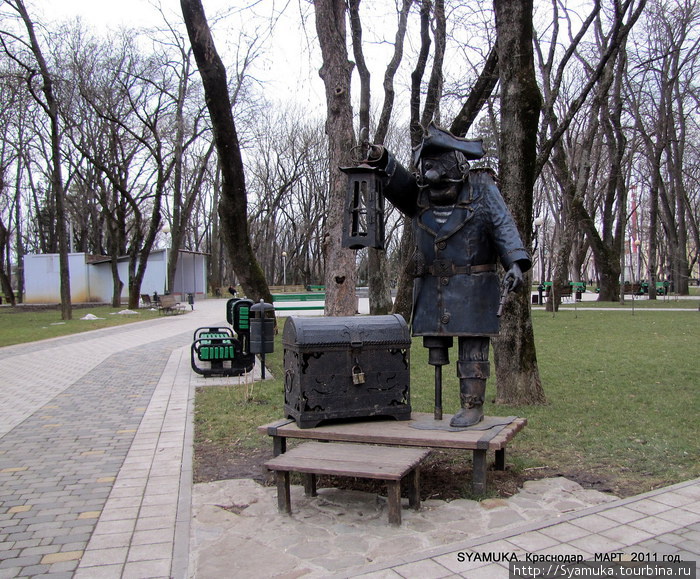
(394, 496)
(500, 463)
(279, 445)
(310, 485)
(479, 472)
(414, 488)
(284, 499)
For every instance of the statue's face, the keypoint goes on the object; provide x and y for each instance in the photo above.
(443, 176)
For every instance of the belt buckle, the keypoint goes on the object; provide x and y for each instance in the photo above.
(442, 267)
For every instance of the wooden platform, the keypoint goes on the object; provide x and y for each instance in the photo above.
(389, 464)
(493, 433)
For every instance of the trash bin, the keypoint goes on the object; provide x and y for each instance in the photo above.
(262, 329)
(262, 332)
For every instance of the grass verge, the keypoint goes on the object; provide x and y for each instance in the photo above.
(24, 324)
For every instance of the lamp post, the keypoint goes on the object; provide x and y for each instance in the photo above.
(284, 270)
(166, 230)
(539, 222)
(637, 244)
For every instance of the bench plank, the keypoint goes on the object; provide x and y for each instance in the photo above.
(381, 462)
(381, 456)
(400, 433)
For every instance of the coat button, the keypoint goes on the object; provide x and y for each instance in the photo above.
(444, 280)
(445, 319)
(441, 245)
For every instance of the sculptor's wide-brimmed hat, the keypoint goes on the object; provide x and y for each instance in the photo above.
(436, 140)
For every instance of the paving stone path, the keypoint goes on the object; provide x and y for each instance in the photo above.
(58, 465)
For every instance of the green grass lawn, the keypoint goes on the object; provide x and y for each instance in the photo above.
(19, 325)
(622, 389)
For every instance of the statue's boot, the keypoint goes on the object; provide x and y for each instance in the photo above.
(471, 395)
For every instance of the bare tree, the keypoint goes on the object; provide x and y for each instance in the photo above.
(341, 275)
(557, 118)
(233, 210)
(377, 278)
(518, 379)
(287, 181)
(419, 119)
(661, 91)
(128, 111)
(48, 102)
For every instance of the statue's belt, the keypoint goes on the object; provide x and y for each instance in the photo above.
(445, 268)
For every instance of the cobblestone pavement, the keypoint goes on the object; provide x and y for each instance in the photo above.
(93, 450)
(96, 481)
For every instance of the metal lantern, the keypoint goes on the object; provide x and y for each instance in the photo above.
(363, 219)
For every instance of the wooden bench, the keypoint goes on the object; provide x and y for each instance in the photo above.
(386, 463)
(493, 434)
(169, 305)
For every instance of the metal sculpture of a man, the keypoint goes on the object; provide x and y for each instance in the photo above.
(462, 228)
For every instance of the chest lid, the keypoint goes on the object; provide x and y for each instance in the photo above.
(353, 331)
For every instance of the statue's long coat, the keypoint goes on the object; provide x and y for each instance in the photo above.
(456, 289)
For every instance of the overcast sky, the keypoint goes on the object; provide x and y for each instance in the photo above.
(99, 14)
(284, 65)
(288, 63)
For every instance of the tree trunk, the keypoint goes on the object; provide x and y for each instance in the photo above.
(341, 272)
(403, 304)
(377, 271)
(50, 106)
(517, 375)
(5, 284)
(419, 121)
(378, 281)
(19, 241)
(233, 210)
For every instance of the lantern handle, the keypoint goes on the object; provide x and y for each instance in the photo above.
(367, 153)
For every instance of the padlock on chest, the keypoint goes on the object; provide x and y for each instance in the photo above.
(358, 376)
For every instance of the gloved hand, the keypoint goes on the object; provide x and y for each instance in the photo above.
(376, 155)
(513, 278)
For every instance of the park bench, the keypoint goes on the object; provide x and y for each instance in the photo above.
(564, 293)
(169, 305)
(662, 287)
(390, 464)
(216, 351)
(633, 289)
(146, 301)
(279, 300)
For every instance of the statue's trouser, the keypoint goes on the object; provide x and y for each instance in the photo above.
(472, 370)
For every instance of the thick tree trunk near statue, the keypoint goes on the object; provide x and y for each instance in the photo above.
(233, 209)
(517, 375)
(341, 274)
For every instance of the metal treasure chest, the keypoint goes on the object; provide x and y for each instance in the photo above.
(346, 367)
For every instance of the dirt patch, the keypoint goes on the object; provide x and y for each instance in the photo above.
(602, 478)
(213, 462)
(445, 474)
